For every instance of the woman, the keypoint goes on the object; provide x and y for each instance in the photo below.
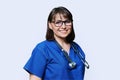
(56, 57)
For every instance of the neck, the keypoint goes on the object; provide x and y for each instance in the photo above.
(65, 45)
(62, 42)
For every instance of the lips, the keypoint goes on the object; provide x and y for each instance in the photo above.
(63, 30)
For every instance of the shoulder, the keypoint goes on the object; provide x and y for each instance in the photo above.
(75, 44)
(41, 49)
(78, 47)
(41, 44)
(44, 45)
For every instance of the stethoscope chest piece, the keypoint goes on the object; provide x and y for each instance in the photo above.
(72, 65)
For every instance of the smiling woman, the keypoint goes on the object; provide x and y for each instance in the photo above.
(56, 58)
(60, 30)
(58, 16)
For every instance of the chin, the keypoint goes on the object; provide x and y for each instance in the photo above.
(64, 36)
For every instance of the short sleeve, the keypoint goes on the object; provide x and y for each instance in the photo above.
(36, 63)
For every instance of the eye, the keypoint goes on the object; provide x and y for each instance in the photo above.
(67, 21)
(58, 22)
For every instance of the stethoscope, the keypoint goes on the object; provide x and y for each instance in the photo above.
(73, 64)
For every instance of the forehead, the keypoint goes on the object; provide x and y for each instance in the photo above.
(59, 17)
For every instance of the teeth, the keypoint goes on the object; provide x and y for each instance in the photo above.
(63, 31)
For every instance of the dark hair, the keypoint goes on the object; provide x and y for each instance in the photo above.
(67, 14)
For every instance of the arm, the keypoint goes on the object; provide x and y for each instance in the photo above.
(33, 77)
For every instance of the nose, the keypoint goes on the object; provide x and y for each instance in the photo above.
(63, 25)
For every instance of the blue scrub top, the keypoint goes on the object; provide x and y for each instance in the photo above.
(49, 63)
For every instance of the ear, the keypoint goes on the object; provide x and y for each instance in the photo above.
(50, 25)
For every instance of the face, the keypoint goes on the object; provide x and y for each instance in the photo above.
(61, 26)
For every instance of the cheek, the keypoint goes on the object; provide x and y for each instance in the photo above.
(54, 30)
(70, 29)
(51, 26)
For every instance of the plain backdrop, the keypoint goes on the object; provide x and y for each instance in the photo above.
(96, 24)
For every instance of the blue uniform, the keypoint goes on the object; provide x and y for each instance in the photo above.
(49, 63)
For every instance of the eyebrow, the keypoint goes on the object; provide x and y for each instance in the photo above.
(63, 20)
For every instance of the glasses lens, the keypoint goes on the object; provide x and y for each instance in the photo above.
(58, 23)
(68, 23)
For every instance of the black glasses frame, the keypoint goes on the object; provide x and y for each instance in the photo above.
(59, 23)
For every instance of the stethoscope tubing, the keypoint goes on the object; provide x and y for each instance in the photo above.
(81, 57)
(76, 51)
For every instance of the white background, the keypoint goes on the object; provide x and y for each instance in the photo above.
(97, 27)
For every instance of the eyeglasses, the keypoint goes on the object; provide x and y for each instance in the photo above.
(59, 23)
